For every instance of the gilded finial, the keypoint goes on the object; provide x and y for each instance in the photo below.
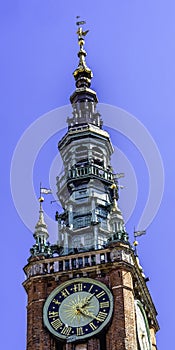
(43, 190)
(113, 186)
(81, 34)
(82, 74)
(80, 31)
(82, 67)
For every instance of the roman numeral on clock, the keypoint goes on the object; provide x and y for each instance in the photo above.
(79, 331)
(99, 295)
(104, 304)
(66, 330)
(78, 287)
(53, 314)
(101, 316)
(90, 288)
(65, 293)
(56, 302)
(56, 324)
(92, 325)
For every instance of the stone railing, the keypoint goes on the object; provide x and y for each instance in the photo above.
(85, 171)
(77, 261)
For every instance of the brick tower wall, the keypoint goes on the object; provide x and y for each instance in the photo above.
(122, 332)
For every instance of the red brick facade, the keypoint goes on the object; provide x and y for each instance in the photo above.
(126, 282)
(122, 332)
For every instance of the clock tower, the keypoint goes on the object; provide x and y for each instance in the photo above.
(87, 291)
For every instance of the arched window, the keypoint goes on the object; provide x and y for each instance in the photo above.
(98, 156)
(81, 154)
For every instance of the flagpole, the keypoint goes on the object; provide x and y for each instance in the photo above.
(135, 243)
(137, 234)
(40, 189)
(134, 232)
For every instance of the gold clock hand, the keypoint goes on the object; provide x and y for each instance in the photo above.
(87, 313)
(87, 300)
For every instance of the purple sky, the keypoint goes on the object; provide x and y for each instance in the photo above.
(131, 50)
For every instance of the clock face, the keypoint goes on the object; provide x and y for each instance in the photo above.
(142, 327)
(78, 309)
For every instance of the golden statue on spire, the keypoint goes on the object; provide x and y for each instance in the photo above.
(82, 67)
(82, 74)
(80, 32)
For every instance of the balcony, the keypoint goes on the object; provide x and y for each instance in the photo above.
(86, 171)
(82, 262)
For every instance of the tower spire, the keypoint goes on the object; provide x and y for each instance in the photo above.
(41, 246)
(41, 227)
(82, 74)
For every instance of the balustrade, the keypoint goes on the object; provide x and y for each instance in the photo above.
(78, 261)
(84, 171)
(70, 262)
(89, 170)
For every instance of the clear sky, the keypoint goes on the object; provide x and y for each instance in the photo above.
(131, 50)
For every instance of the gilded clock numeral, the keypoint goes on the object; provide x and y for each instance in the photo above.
(53, 314)
(66, 330)
(78, 287)
(90, 288)
(56, 324)
(92, 325)
(99, 295)
(101, 316)
(104, 304)
(65, 293)
(56, 302)
(80, 331)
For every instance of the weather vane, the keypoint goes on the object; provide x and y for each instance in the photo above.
(78, 23)
(80, 31)
(137, 234)
(43, 190)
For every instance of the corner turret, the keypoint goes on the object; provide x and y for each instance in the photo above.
(41, 246)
